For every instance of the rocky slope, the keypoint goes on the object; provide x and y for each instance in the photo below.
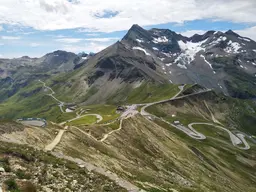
(28, 170)
(225, 62)
(115, 71)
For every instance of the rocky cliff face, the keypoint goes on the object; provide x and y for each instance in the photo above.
(225, 62)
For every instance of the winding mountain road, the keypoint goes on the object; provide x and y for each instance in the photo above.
(98, 116)
(175, 97)
(111, 132)
(57, 139)
(236, 139)
(60, 103)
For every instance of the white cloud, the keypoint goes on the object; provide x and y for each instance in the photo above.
(34, 44)
(248, 32)
(89, 47)
(63, 14)
(92, 34)
(68, 40)
(1, 28)
(77, 40)
(11, 37)
(27, 33)
(102, 39)
(190, 33)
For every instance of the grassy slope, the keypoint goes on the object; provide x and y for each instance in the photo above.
(87, 120)
(234, 113)
(32, 101)
(108, 112)
(150, 92)
(35, 105)
(157, 156)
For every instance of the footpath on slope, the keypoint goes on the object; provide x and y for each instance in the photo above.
(56, 140)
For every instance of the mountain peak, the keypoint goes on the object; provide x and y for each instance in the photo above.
(135, 26)
(230, 32)
(197, 37)
(137, 32)
(25, 57)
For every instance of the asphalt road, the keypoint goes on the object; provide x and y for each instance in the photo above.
(236, 139)
(60, 103)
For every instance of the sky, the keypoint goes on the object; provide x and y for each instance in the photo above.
(36, 27)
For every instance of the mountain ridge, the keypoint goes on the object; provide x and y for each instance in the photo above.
(147, 113)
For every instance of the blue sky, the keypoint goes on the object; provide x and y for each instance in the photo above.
(37, 27)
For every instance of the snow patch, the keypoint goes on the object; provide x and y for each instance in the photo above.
(141, 49)
(162, 39)
(84, 58)
(189, 49)
(217, 41)
(206, 61)
(168, 64)
(139, 40)
(167, 54)
(220, 86)
(241, 66)
(182, 66)
(156, 49)
(254, 50)
(137, 84)
(233, 47)
(245, 39)
(253, 63)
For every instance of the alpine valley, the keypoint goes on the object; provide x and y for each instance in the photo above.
(155, 112)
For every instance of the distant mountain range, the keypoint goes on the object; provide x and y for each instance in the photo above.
(225, 62)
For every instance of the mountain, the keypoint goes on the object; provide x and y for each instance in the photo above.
(155, 112)
(225, 62)
(142, 61)
(110, 75)
(20, 72)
